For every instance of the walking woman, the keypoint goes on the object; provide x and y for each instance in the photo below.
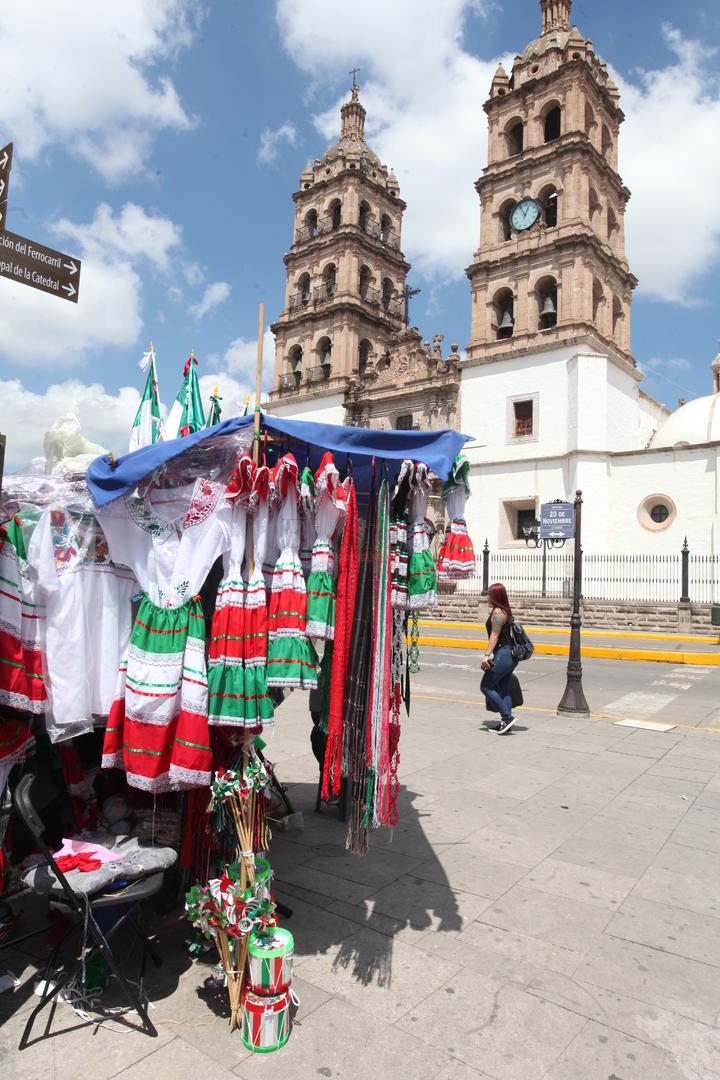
(498, 663)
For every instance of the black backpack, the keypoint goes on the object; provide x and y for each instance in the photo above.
(520, 644)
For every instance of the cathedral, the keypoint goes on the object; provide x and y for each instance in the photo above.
(547, 385)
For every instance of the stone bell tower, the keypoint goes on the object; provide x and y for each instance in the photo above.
(344, 295)
(551, 267)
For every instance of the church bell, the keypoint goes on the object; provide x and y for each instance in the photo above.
(548, 308)
(507, 322)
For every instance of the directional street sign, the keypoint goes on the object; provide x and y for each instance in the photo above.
(557, 521)
(38, 266)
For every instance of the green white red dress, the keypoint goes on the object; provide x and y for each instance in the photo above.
(457, 556)
(237, 678)
(291, 657)
(330, 510)
(158, 725)
(422, 581)
(22, 619)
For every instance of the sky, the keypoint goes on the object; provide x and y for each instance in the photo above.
(160, 141)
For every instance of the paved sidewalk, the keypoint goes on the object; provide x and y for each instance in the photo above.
(549, 907)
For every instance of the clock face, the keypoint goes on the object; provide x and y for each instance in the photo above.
(524, 214)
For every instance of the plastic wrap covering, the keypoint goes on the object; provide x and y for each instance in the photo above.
(66, 448)
(28, 489)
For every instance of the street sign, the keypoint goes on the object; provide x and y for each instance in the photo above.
(557, 521)
(39, 267)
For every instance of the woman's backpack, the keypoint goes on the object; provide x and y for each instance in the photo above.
(521, 646)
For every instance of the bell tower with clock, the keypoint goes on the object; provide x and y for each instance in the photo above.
(551, 270)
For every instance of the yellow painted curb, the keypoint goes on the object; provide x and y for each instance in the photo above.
(599, 652)
(640, 635)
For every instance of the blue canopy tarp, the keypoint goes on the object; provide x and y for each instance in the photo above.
(437, 449)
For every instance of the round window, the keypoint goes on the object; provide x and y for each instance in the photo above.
(657, 512)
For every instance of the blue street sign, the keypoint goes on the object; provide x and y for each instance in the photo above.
(557, 521)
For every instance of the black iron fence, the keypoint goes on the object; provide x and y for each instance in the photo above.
(629, 578)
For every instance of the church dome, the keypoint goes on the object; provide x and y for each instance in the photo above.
(556, 39)
(696, 422)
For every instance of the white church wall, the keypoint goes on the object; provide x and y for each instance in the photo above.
(499, 491)
(651, 416)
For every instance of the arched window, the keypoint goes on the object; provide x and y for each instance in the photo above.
(612, 225)
(311, 223)
(364, 350)
(606, 142)
(323, 350)
(589, 120)
(504, 216)
(514, 137)
(295, 360)
(598, 301)
(546, 290)
(364, 281)
(549, 202)
(404, 422)
(329, 280)
(504, 305)
(385, 228)
(363, 215)
(594, 208)
(617, 316)
(552, 124)
(303, 287)
(335, 210)
(388, 290)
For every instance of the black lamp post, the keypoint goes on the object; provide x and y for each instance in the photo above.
(573, 701)
(531, 535)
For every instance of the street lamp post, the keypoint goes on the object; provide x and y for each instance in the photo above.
(573, 701)
(531, 535)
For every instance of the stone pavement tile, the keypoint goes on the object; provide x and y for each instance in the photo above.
(21, 1000)
(457, 1070)
(620, 822)
(510, 956)
(584, 883)
(104, 1051)
(419, 905)
(651, 814)
(670, 982)
(35, 1062)
(695, 1045)
(684, 769)
(701, 745)
(601, 1051)
(515, 781)
(666, 786)
(494, 845)
(177, 1058)
(472, 867)
(364, 915)
(376, 974)
(585, 742)
(674, 930)
(600, 851)
(495, 1027)
(322, 882)
(314, 930)
(553, 919)
(714, 785)
(688, 834)
(642, 747)
(683, 877)
(338, 1042)
(363, 875)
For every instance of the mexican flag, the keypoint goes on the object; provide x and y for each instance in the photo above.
(214, 414)
(148, 426)
(187, 414)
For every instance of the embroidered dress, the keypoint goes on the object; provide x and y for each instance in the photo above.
(158, 725)
(88, 603)
(422, 583)
(399, 554)
(291, 656)
(457, 556)
(307, 518)
(330, 511)
(237, 688)
(22, 620)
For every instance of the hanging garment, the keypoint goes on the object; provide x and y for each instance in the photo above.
(237, 681)
(457, 557)
(399, 554)
(344, 614)
(330, 511)
(379, 702)
(291, 656)
(22, 620)
(307, 518)
(88, 602)
(422, 583)
(158, 725)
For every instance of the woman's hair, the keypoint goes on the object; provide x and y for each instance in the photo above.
(498, 597)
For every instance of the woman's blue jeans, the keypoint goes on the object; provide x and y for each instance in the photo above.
(495, 683)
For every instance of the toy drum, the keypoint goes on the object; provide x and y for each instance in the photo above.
(265, 1021)
(270, 961)
(263, 874)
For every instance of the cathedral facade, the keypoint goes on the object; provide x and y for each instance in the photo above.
(547, 386)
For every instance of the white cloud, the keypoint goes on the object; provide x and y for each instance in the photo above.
(104, 418)
(233, 394)
(214, 295)
(93, 77)
(193, 274)
(673, 363)
(42, 332)
(270, 142)
(240, 358)
(670, 160)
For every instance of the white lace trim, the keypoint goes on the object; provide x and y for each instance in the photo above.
(22, 703)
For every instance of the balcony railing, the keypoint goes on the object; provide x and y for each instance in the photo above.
(323, 294)
(298, 301)
(307, 232)
(370, 296)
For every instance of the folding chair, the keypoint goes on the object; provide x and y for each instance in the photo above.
(32, 795)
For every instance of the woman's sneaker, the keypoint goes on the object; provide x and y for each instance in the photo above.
(505, 725)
